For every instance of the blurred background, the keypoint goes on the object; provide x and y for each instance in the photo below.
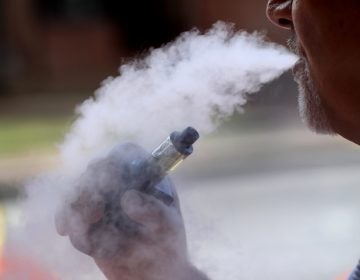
(284, 198)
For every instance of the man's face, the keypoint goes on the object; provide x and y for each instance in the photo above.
(326, 36)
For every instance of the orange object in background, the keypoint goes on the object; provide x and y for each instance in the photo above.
(19, 268)
(344, 276)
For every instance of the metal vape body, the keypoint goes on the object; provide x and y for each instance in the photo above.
(164, 159)
(167, 156)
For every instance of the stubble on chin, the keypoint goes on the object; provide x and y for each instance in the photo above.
(311, 109)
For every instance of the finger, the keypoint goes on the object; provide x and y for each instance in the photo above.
(68, 221)
(78, 215)
(81, 243)
(161, 224)
(143, 209)
(89, 206)
(159, 221)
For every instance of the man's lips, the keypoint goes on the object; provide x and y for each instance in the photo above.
(297, 49)
(299, 67)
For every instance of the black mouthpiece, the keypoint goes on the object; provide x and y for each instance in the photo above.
(183, 140)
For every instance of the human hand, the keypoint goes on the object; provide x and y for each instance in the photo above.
(130, 235)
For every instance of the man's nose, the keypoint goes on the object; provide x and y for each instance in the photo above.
(280, 12)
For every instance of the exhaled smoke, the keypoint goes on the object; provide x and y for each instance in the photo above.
(197, 80)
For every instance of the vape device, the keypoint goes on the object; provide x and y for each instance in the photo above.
(146, 174)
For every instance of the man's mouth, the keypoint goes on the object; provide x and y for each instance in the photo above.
(298, 67)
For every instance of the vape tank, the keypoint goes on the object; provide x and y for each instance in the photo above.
(164, 159)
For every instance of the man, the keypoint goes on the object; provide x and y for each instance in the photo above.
(325, 35)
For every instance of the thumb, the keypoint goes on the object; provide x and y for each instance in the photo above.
(143, 209)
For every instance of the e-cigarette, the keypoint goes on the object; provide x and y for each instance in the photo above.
(165, 158)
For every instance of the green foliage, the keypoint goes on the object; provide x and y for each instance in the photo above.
(27, 135)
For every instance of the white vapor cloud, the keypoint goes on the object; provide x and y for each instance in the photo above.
(198, 80)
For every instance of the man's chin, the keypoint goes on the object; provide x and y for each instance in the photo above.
(311, 108)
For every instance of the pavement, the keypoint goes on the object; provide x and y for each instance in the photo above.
(273, 204)
(278, 205)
